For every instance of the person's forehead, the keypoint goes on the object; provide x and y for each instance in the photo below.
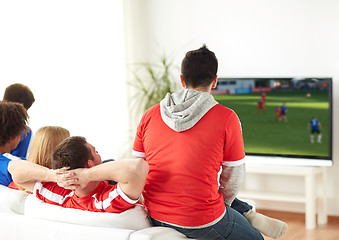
(90, 146)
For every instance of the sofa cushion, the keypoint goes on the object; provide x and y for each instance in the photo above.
(135, 218)
(11, 200)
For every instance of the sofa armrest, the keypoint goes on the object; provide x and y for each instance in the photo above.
(11, 200)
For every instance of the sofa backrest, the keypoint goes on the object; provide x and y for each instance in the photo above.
(134, 218)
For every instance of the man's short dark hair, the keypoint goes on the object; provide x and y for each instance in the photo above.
(19, 93)
(199, 67)
(13, 120)
(71, 152)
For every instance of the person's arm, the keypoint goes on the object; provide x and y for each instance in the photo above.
(230, 181)
(26, 174)
(130, 174)
(233, 166)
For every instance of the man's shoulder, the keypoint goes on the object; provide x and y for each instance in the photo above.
(152, 111)
(103, 188)
(8, 157)
(3, 157)
(219, 109)
(223, 115)
(222, 107)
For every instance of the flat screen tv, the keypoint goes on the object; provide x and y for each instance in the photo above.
(277, 115)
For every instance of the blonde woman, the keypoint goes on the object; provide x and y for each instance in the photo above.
(43, 144)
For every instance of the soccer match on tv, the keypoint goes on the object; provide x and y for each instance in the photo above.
(290, 117)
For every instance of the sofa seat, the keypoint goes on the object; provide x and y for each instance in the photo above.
(22, 216)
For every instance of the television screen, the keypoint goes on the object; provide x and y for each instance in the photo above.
(282, 117)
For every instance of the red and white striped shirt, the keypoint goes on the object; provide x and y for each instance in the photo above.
(105, 198)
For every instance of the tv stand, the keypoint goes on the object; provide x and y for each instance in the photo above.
(310, 175)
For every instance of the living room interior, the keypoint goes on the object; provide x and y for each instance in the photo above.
(80, 58)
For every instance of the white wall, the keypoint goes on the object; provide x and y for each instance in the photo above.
(71, 54)
(250, 38)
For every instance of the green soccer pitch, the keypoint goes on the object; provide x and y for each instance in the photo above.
(263, 135)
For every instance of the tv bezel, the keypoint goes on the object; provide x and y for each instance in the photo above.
(292, 159)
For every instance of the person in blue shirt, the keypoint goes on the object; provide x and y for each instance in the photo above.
(13, 120)
(283, 110)
(314, 126)
(21, 94)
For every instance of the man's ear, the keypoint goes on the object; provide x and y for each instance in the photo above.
(90, 163)
(215, 81)
(182, 81)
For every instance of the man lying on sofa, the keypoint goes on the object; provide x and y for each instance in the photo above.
(94, 194)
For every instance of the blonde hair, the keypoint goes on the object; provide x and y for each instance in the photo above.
(44, 142)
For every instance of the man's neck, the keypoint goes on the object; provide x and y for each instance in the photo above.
(91, 186)
(200, 89)
(5, 149)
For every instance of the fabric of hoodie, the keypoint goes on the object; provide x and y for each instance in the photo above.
(182, 110)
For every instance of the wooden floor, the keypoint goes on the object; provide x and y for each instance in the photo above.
(296, 227)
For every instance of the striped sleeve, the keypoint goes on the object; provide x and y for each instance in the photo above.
(51, 193)
(115, 201)
(138, 154)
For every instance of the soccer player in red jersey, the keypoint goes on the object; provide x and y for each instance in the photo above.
(261, 106)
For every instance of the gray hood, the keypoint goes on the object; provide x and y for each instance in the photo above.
(182, 110)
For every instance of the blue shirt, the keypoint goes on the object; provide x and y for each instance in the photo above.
(314, 124)
(21, 149)
(283, 109)
(5, 176)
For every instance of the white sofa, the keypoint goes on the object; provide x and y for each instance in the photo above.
(22, 216)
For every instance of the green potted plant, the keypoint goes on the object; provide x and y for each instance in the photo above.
(152, 81)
